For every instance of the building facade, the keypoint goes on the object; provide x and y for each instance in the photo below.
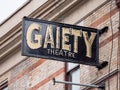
(19, 72)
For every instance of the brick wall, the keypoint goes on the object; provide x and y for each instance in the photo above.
(37, 74)
(99, 19)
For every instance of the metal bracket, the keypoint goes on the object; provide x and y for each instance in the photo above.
(103, 30)
(102, 87)
(118, 3)
(102, 65)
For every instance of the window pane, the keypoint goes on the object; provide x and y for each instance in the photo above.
(71, 66)
(6, 88)
(76, 79)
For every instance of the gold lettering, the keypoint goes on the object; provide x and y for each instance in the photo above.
(76, 33)
(30, 43)
(49, 37)
(88, 42)
(58, 37)
(65, 39)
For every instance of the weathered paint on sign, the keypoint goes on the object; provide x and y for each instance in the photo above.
(58, 41)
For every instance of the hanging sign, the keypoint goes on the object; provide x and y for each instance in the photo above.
(59, 41)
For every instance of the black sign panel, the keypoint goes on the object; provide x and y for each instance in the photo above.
(59, 41)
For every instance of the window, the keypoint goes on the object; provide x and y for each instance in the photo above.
(73, 75)
(73, 72)
(4, 85)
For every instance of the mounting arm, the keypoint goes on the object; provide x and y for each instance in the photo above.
(102, 87)
(103, 30)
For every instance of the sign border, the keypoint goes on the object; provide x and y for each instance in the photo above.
(65, 25)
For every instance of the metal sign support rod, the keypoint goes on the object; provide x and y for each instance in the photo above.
(70, 83)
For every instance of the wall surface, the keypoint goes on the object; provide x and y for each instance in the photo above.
(106, 15)
(27, 73)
